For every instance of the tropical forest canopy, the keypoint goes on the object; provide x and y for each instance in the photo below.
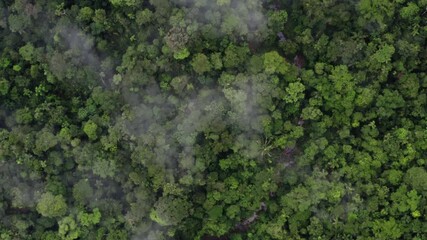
(213, 119)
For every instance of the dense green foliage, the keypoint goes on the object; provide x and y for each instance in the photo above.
(213, 119)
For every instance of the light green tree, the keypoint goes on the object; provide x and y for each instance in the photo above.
(90, 128)
(170, 210)
(274, 63)
(50, 205)
(294, 92)
(201, 63)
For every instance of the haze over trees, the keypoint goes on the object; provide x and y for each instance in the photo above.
(223, 119)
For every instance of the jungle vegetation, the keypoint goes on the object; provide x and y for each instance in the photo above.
(213, 119)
